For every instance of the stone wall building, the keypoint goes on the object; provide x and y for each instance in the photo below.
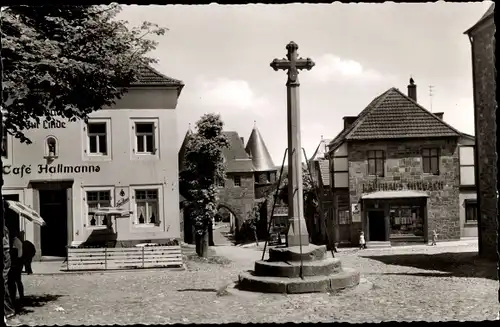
(250, 174)
(395, 173)
(482, 39)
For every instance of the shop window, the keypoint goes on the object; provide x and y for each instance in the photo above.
(97, 200)
(97, 138)
(145, 138)
(344, 217)
(5, 146)
(51, 147)
(430, 161)
(237, 181)
(470, 211)
(406, 220)
(376, 163)
(147, 207)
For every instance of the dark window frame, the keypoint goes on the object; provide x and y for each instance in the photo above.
(374, 158)
(98, 137)
(428, 157)
(237, 180)
(469, 205)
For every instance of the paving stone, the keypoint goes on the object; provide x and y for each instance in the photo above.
(432, 288)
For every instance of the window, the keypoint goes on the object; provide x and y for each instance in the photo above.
(344, 217)
(430, 161)
(376, 162)
(237, 181)
(467, 174)
(97, 138)
(147, 207)
(51, 147)
(5, 146)
(145, 138)
(470, 211)
(96, 200)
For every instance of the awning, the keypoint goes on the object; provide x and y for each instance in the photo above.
(394, 195)
(26, 212)
(110, 211)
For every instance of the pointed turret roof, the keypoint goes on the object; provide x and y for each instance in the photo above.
(257, 149)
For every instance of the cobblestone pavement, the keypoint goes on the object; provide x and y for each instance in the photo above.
(426, 283)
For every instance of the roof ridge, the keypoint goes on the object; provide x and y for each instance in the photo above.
(360, 120)
(154, 70)
(428, 112)
(343, 133)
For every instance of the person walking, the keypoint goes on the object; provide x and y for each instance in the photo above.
(362, 241)
(29, 252)
(15, 281)
(434, 237)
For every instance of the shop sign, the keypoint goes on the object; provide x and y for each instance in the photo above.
(398, 186)
(23, 170)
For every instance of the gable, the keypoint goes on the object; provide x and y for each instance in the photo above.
(394, 115)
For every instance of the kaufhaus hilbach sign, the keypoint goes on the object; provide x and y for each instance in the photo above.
(47, 169)
(398, 186)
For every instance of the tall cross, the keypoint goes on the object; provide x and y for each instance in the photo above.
(292, 63)
(297, 233)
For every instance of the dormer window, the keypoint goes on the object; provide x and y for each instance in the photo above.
(51, 147)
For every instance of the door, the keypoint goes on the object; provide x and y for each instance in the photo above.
(376, 225)
(11, 217)
(54, 235)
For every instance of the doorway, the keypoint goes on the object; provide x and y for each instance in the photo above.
(11, 217)
(376, 225)
(54, 210)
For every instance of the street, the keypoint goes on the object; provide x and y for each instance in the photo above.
(409, 283)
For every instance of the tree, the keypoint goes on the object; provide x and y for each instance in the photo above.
(204, 166)
(67, 61)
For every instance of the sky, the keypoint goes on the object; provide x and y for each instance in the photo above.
(223, 53)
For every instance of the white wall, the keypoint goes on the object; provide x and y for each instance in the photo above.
(122, 170)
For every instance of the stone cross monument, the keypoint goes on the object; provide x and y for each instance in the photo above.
(297, 233)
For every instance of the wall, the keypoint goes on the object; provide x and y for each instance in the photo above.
(239, 199)
(121, 170)
(403, 164)
(484, 81)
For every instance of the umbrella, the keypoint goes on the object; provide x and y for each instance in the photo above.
(26, 212)
(110, 211)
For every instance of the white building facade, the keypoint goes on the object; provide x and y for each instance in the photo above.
(124, 156)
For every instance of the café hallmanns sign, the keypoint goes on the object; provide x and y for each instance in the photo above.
(24, 170)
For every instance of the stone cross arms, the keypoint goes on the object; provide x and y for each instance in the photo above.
(292, 64)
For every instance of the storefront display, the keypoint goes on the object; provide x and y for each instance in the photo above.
(406, 220)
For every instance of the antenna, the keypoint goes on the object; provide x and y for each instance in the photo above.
(431, 94)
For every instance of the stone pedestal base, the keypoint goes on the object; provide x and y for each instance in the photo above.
(282, 272)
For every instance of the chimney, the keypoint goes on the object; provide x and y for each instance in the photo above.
(439, 115)
(349, 120)
(242, 140)
(412, 90)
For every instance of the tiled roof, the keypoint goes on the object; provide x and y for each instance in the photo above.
(324, 170)
(237, 160)
(148, 76)
(256, 148)
(394, 115)
(489, 13)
